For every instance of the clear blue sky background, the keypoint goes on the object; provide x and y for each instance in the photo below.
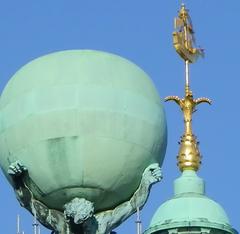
(141, 31)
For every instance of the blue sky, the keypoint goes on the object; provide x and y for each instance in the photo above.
(141, 32)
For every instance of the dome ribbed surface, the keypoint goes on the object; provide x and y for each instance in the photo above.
(189, 208)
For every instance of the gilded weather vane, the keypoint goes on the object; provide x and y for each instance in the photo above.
(184, 42)
(183, 37)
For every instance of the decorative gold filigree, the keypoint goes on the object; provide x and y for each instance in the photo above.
(188, 156)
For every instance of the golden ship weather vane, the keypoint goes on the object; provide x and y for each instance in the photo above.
(189, 157)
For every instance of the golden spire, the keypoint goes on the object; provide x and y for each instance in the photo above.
(189, 157)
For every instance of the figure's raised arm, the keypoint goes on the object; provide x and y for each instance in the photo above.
(151, 175)
(52, 219)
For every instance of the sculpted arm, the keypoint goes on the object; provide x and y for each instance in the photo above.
(151, 175)
(52, 219)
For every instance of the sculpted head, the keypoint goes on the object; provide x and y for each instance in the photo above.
(79, 210)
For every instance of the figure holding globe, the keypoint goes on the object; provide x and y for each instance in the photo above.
(78, 215)
(82, 136)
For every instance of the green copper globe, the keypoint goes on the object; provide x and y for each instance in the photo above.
(85, 124)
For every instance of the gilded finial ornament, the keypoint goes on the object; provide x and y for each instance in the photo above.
(189, 157)
(183, 37)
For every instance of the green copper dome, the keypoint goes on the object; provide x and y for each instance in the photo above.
(190, 208)
(85, 124)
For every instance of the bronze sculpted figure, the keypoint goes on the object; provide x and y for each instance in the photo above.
(78, 216)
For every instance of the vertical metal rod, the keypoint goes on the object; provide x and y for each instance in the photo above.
(138, 222)
(18, 224)
(187, 85)
(187, 72)
(35, 224)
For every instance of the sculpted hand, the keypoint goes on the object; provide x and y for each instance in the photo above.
(16, 169)
(152, 174)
